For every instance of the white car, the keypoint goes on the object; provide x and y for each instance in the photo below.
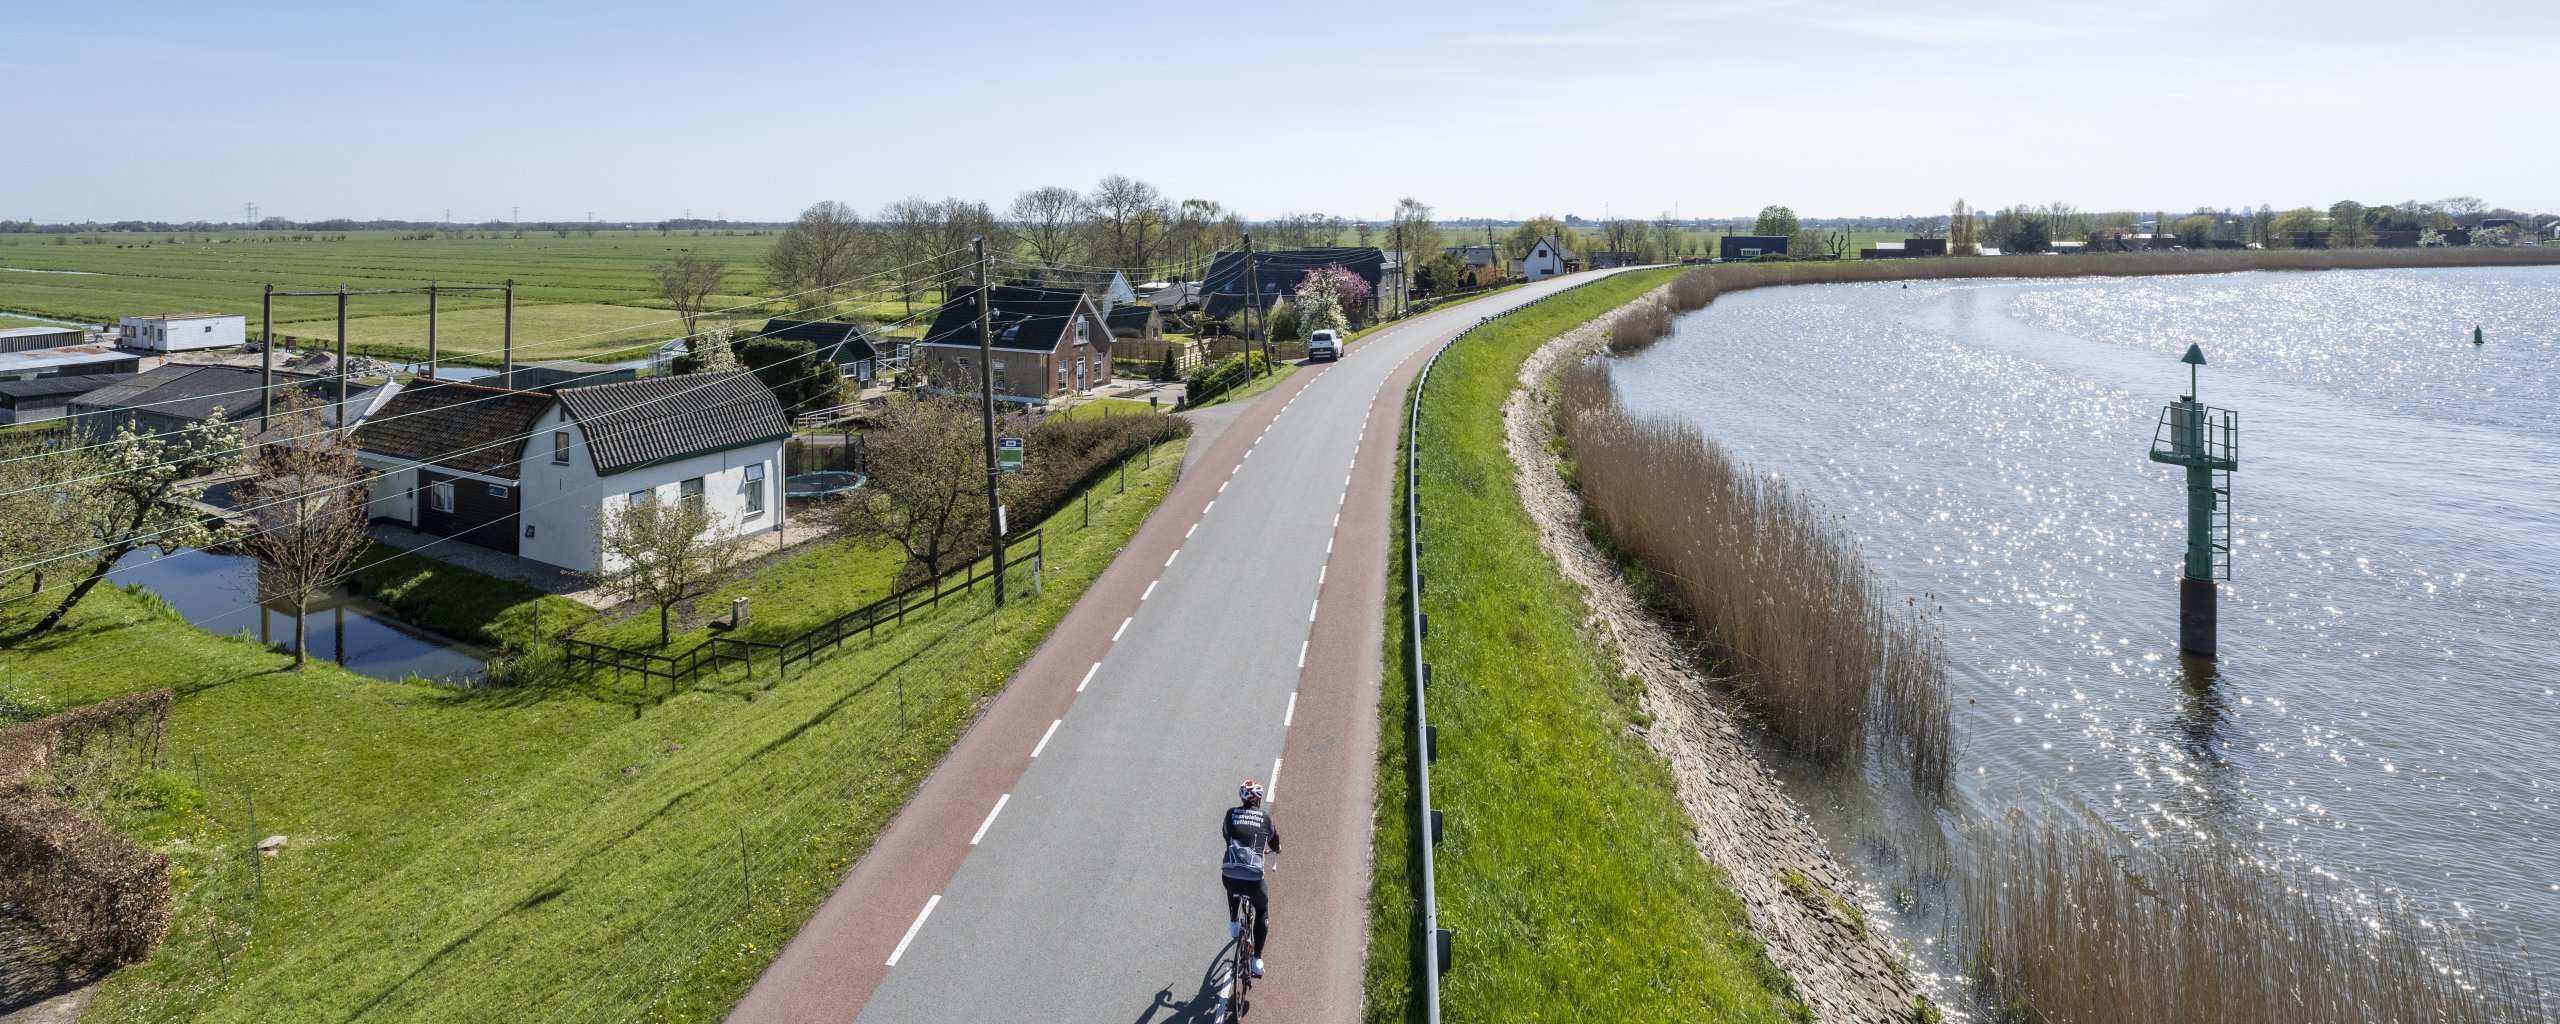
(1324, 344)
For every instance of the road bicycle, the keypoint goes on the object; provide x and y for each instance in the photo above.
(1240, 966)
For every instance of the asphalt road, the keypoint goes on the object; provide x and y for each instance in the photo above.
(1061, 865)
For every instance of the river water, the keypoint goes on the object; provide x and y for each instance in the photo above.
(2384, 709)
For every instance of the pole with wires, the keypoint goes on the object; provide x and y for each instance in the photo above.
(507, 344)
(265, 400)
(987, 409)
(431, 331)
(266, 353)
(1253, 306)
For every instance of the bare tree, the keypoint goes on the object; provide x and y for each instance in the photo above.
(819, 253)
(927, 492)
(907, 228)
(1666, 237)
(687, 282)
(956, 221)
(1123, 209)
(1622, 234)
(2346, 217)
(1412, 231)
(130, 493)
(663, 552)
(306, 510)
(1051, 222)
(1199, 228)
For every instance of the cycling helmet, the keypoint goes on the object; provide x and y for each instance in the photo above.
(1250, 793)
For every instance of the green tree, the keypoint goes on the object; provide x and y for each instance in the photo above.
(2290, 221)
(2346, 219)
(2194, 232)
(1776, 220)
(792, 371)
(1517, 244)
(2027, 235)
(663, 550)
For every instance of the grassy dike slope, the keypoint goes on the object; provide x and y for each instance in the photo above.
(1567, 869)
(524, 854)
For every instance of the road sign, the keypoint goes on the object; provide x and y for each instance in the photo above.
(1009, 454)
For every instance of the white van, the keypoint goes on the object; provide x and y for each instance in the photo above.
(1324, 344)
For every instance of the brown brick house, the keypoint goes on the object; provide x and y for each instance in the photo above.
(1046, 342)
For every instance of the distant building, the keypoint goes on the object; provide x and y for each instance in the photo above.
(1135, 322)
(2069, 247)
(2307, 239)
(2395, 239)
(2456, 236)
(2495, 223)
(570, 373)
(1483, 263)
(1175, 297)
(1924, 247)
(1733, 248)
(47, 398)
(1109, 289)
(173, 397)
(1277, 273)
(68, 360)
(1547, 257)
(1045, 342)
(163, 333)
(29, 339)
(857, 352)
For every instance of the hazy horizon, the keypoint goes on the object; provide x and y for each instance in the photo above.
(649, 112)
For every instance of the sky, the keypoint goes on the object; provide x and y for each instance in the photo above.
(751, 110)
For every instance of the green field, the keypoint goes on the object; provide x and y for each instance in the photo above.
(529, 854)
(1568, 872)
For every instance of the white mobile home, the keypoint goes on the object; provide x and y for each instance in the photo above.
(163, 333)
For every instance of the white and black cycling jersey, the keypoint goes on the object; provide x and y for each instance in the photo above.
(1250, 836)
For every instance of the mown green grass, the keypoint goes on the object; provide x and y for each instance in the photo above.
(1281, 370)
(1567, 869)
(1095, 408)
(528, 854)
(476, 337)
(463, 604)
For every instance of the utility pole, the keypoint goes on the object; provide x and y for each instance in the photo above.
(507, 342)
(1253, 306)
(266, 353)
(342, 370)
(431, 324)
(987, 409)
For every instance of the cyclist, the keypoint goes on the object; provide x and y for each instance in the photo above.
(1250, 838)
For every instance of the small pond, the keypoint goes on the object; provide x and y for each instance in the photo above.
(218, 593)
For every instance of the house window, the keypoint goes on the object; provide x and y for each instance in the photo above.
(1081, 328)
(559, 447)
(690, 492)
(440, 496)
(754, 490)
(497, 490)
(639, 497)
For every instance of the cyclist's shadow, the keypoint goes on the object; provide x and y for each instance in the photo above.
(1206, 1006)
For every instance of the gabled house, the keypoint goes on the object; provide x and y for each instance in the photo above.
(1137, 321)
(1109, 289)
(857, 352)
(1226, 286)
(532, 473)
(1547, 257)
(1045, 341)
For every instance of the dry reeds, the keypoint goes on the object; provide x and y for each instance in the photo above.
(1778, 588)
(1643, 322)
(2085, 928)
(1693, 290)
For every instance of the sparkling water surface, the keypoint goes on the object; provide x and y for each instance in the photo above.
(2384, 710)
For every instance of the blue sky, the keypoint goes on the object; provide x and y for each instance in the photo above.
(644, 110)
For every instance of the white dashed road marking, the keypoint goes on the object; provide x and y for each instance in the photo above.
(927, 912)
(1044, 745)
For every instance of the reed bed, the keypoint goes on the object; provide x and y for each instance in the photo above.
(1642, 323)
(1693, 289)
(2081, 927)
(1737, 276)
(1777, 588)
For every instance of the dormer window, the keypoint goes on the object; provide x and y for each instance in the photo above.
(1081, 328)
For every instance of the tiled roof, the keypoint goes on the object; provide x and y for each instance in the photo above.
(1132, 318)
(1278, 273)
(73, 385)
(449, 423)
(840, 342)
(194, 391)
(1025, 319)
(656, 419)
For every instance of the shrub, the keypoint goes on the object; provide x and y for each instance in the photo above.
(1210, 381)
(1284, 322)
(1644, 322)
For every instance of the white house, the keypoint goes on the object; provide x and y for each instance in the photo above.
(531, 474)
(164, 333)
(1547, 258)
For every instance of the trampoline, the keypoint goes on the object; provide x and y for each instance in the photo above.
(821, 485)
